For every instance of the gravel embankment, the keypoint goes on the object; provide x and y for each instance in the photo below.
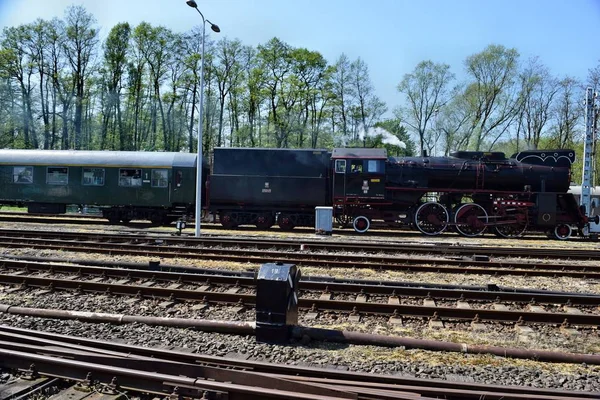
(414, 363)
(454, 366)
(479, 368)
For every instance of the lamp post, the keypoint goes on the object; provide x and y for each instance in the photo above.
(198, 211)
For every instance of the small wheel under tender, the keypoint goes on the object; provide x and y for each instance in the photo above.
(157, 220)
(361, 224)
(431, 218)
(285, 222)
(562, 231)
(265, 221)
(228, 220)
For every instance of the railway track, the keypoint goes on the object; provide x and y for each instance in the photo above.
(92, 219)
(115, 369)
(437, 248)
(384, 257)
(387, 299)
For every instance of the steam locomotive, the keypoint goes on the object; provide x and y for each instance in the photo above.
(469, 192)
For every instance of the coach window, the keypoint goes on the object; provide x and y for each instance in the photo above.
(340, 166)
(23, 175)
(93, 176)
(160, 178)
(57, 175)
(130, 177)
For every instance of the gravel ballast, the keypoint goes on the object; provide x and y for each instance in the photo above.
(418, 363)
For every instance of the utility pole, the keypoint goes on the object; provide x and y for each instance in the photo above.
(589, 154)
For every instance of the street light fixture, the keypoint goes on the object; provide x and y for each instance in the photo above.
(198, 211)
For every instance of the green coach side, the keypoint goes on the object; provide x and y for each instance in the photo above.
(129, 185)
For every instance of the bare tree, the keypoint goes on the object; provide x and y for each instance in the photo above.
(370, 107)
(80, 47)
(426, 90)
(343, 92)
(567, 112)
(452, 121)
(228, 68)
(538, 90)
(492, 94)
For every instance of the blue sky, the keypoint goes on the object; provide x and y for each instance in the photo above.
(392, 36)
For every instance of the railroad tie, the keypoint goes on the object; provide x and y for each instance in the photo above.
(463, 304)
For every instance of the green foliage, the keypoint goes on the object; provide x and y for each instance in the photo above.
(139, 90)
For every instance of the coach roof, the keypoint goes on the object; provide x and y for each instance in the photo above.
(97, 158)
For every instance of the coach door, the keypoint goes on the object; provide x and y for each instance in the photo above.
(179, 182)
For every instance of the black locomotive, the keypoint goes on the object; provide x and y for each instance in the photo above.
(469, 192)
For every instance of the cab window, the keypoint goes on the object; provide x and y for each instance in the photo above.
(57, 176)
(340, 166)
(356, 166)
(23, 175)
(374, 166)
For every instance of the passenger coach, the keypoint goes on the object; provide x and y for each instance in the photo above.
(127, 185)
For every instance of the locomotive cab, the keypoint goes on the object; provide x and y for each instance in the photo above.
(359, 175)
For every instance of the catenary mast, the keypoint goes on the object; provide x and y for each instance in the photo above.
(589, 152)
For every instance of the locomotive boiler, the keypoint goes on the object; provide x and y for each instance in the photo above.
(472, 170)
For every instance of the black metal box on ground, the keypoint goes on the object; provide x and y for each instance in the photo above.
(276, 302)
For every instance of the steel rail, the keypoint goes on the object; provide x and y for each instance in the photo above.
(381, 288)
(307, 259)
(399, 232)
(283, 244)
(173, 294)
(142, 380)
(429, 387)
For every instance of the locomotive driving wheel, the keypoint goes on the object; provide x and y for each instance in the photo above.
(431, 218)
(512, 222)
(471, 220)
